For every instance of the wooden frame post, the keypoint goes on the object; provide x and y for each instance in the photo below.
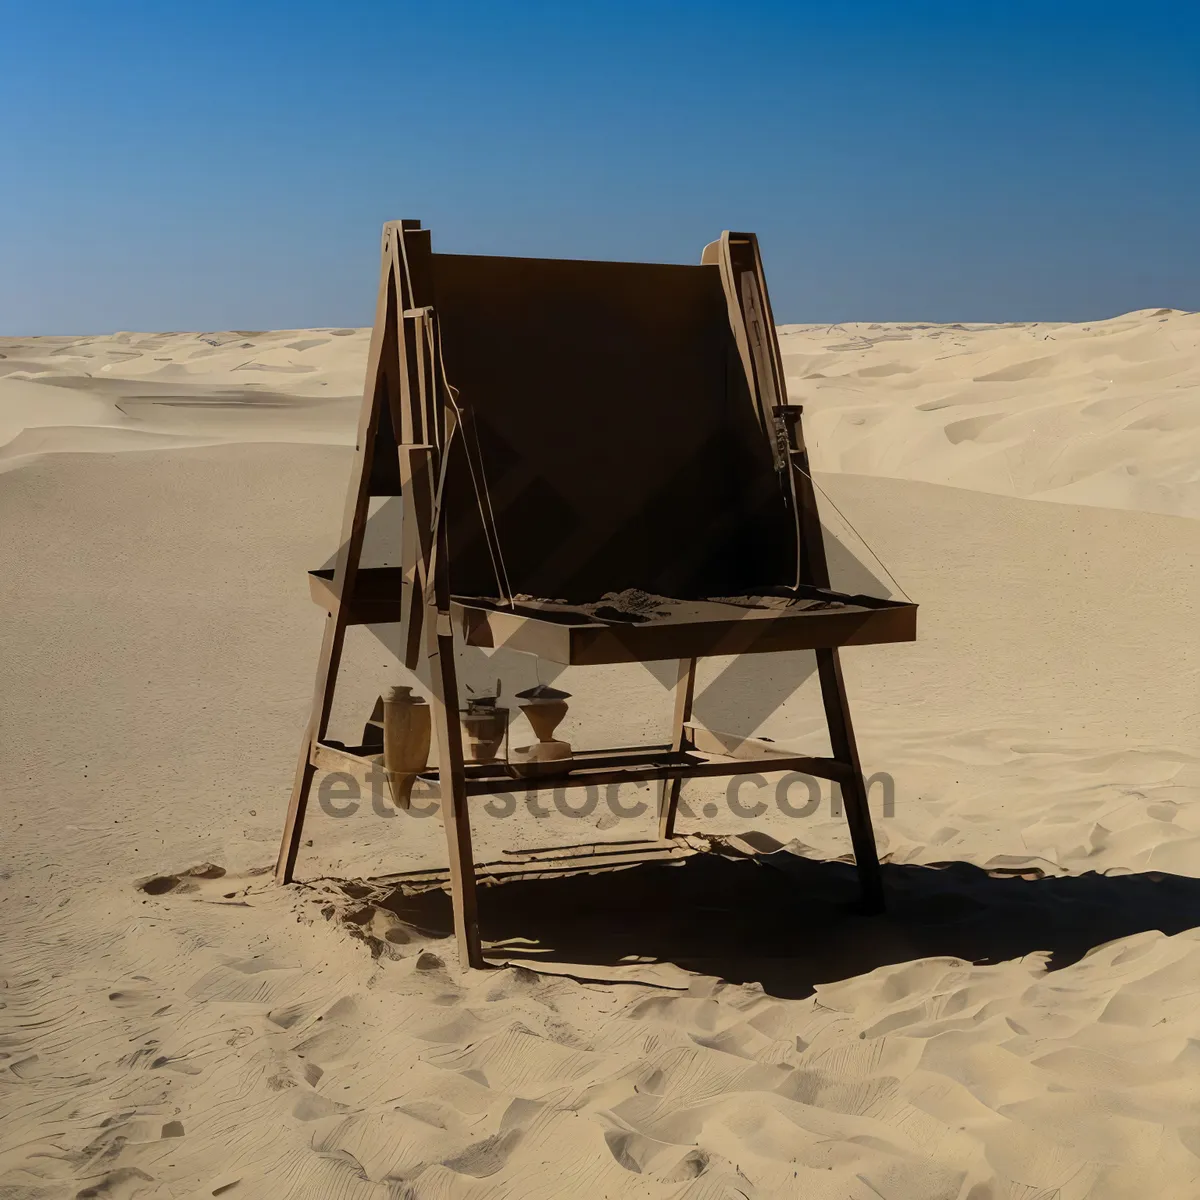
(854, 792)
(749, 304)
(668, 798)
(403, 374)
(354, 521)
(439, 640)
(837, 708)
(814, 569)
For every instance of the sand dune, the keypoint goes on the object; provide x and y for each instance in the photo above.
(297, 362)
(1106, 413)
(131, 391)
(1021, 1025)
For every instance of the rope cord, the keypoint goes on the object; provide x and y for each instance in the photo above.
(483, 497)
(870, 548)
(484, 500)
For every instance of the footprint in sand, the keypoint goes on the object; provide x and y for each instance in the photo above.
(206, 881)
(185, 881)
(124, 1181)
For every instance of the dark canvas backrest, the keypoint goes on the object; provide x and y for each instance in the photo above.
(618, 436)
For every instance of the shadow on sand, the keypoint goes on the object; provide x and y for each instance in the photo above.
(790, 923)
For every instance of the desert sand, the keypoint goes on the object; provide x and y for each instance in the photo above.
(1021, 1025)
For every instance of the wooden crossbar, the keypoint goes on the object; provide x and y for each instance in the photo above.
(593, 768)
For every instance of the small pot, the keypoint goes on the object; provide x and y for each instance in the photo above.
(483, 727)
(545, 716)
(545, 707)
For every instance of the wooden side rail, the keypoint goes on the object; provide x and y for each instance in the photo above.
(591, 768)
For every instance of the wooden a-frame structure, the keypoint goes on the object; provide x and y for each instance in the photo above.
(585, 427)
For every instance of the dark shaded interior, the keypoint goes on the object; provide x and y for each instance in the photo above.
(616, 428)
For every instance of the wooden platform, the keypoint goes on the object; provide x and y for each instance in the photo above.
(569, 635)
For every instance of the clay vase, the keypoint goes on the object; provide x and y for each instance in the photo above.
(406, 730)
(545, 716)
(483, 727)
(544, 707)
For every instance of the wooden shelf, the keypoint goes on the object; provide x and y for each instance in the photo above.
(378, 594)
(575, 639)
(592, 768)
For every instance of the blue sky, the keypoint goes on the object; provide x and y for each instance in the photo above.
(185, 166)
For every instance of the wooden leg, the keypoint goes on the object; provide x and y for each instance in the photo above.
(354, 520)
(854, 792)
(668, 797)
(285, 864)
(452, 785)
(327, 666)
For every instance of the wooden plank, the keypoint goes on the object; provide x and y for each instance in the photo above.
(433, 563)
(814, 570)
(377, 601)
(420, 435)
(749, 307)
(358, 761)
(581, 759)
(354, 519)
(325, 757)
(699, 769)
(704, 639)
(451, 782)
(416, 473)
(668, 796)
(854, 791)
(598, 766)
(491, 779)
(596, 643)
(492, 630)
